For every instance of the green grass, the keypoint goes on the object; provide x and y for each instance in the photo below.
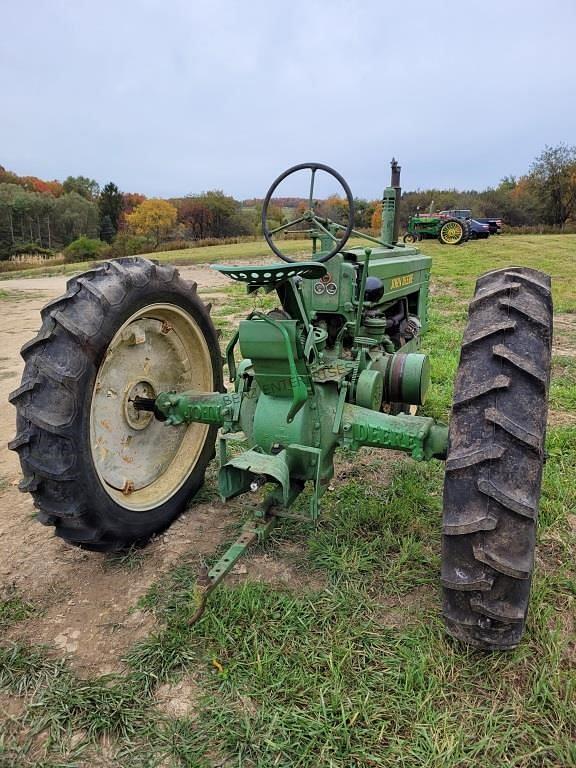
(355, 672)
(563, 389)
(14, 608)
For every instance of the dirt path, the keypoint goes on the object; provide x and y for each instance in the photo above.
(87, 600)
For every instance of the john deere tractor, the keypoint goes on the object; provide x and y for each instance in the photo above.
(449, 230)
(123, 403)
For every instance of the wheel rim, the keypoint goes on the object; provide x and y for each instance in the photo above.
(142, 463)
(451, 232)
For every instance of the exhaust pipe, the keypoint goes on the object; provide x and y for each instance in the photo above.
(391, 206)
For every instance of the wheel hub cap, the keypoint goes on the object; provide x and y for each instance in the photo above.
(140, 461)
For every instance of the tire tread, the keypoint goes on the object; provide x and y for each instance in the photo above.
(495, 458)
(48, 401)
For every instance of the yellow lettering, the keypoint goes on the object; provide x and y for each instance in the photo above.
(400, 282)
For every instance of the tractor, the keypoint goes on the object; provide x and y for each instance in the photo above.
(449, 230)
(123, 402)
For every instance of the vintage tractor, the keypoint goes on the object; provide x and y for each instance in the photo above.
(449, 230)
(123, 402)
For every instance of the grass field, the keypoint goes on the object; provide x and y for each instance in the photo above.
(348, 666)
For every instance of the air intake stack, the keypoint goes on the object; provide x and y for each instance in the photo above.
(390, 206)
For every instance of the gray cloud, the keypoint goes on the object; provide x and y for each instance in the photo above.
(170, 98)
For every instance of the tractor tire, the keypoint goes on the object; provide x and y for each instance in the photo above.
(106, 476)
(410, 238)
(495, 458)
(453, 232)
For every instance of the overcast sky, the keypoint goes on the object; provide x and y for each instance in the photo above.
(181, 96)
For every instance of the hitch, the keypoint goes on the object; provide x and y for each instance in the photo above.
(289, 450)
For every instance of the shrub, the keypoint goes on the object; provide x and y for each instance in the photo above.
(30, 248)
(126, 244)
(86, 248)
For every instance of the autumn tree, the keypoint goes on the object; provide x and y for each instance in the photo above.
(131, 200)
(334, 207)
(212, 214)
(7, 177)
(34, 184)
(553, 177)
(154, 218)
(363, 211)
(110, 205)
(196, 217)
(376, 220)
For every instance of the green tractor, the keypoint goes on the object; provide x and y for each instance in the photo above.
(123, 403)
(447, 229)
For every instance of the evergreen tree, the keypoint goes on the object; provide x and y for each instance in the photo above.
(110, 206)
(107, 230)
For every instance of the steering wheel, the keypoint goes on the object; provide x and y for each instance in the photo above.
(309, 215)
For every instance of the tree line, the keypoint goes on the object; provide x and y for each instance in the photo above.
(50, 216)
(543, 197)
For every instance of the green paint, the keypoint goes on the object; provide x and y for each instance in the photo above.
(315, 376)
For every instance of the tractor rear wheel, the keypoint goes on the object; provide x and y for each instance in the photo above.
(104, 474)
(495, 458)
(453, 232)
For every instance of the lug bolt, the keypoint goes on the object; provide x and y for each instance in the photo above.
(128, 487)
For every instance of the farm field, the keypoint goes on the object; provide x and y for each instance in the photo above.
(325, 648)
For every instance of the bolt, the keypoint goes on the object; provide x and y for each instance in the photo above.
(128, 487)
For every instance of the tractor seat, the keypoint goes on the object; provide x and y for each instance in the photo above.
(271, 275)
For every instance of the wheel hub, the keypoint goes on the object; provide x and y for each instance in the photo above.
(452, 232)
(135, 418)
(139, 461)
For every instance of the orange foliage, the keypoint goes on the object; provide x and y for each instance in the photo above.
(34, 184)
(131, 200)
(521, 189)
(376, 220)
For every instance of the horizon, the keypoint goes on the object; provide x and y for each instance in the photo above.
(259, 197)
